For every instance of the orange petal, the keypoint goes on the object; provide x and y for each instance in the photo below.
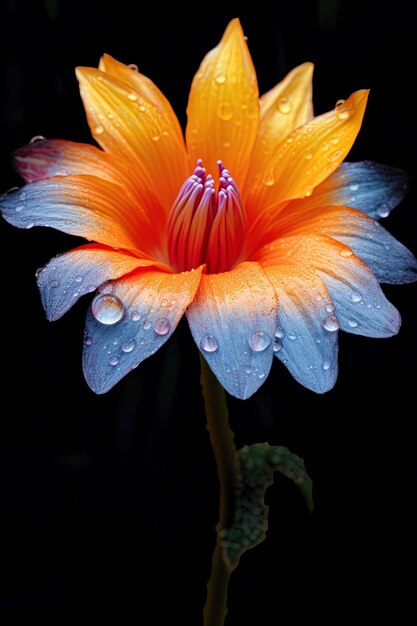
(223, 107)
(310, 154)
(127, 123)
(284, 108)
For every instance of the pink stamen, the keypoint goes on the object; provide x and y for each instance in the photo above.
(203, 227)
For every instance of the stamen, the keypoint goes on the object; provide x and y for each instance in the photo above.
(203, 228)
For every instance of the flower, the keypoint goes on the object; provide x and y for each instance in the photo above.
(253, 226)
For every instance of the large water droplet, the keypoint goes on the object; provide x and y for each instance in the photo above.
(107, 309)
(209, 343)
(220, 79)
(277, 344)
(329, 308)
(37, 138)
(355, 296)
(128, 345)
(99, 130)
(225, 111)
(284, 105)
(331, 324)
(132, 96)
(280, 333)
(259, 341)
(162, 326)
(113, 360)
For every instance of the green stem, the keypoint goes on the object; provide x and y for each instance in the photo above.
(221, 438)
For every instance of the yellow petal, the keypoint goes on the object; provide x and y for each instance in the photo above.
(284, 108)
(128, 124)
(223, 107)
(310, 154)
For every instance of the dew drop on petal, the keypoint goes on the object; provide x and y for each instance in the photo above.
(277, 344)
(329, 308)
(128, 345)
(346, 252)
(78, 279)
(331, 324)
(19, 207)
(147, 324)
(292, 336)
(209, 343)
(353, 323)
(326, 365)
(225, 111)
(132, 96)
(339, 103)
(382, 211)
(142, 108)
(88, 341)
(284, 105)
(259, 341)
(269, 179)
(344, 114)
(107, 309)
(248, 370)
(162, 326)
(99, 130)
(220, 79)
(354, 187)
(135, 315)
(261, 375)
(54, 283)
(280, 333)
(113, 360)
(37, 138)
(355, 296)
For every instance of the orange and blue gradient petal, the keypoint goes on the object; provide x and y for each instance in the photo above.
(305, 341)
(130, 319)
(233, 320)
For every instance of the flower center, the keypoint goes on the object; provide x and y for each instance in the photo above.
(205, 226)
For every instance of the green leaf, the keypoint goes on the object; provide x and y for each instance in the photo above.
(258, 462)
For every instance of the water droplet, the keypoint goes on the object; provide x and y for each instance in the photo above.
(220, 79)
(261, 375)
(336, 155)
(162, 326)
(132, 96)
(352, 323)
(280, 333)
(164, 302)
(259, 341)
(37, 138)
(339, 103)
(269, 179)
(114, 360)
(226, 144)
(147, 324)
(382, 211)
(284, 105)
(326, 365)
(105, 288)
(354, 187)
(346, 252)
(99, 130)
(78, 279)
(135, 315)
(19, 207)
(292, 336)
(331, 324)
(155, 138)
(329, 308)
(308, 191)
(209, 343)
(142, 108)
(308, 156)
(54, 283)
(344, 114)
(277, 345)
(133, 67)
(128, 345)
(107, 309)
(88, 341)
(30, 225)
(355, 296)
(225, 111)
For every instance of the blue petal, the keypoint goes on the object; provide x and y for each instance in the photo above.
(69, 276)
(302, 343)
(389, 259)
(370, 187)
(233, 321)
(130, 320)
(360, 305)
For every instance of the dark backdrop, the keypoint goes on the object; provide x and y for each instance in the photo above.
(108, 503)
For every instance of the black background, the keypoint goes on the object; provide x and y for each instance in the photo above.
(108, 503)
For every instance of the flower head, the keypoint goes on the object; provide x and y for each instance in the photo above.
(252, 225)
